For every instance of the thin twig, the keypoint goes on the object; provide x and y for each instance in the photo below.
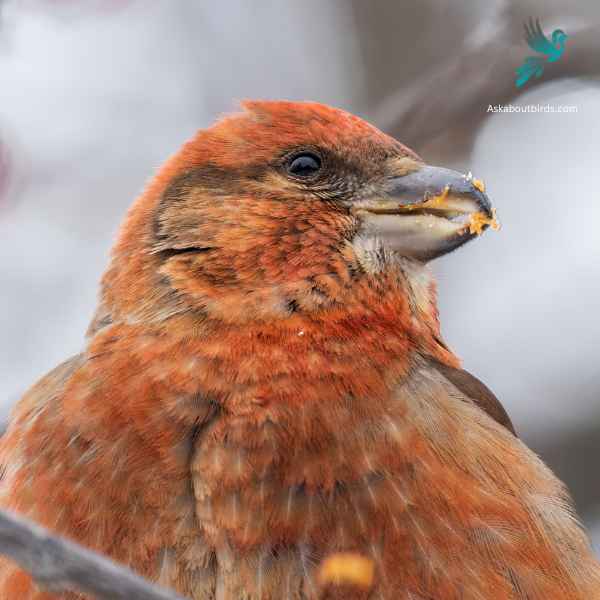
(61, 566)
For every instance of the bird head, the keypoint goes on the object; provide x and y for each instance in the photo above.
(281, 208)
(559, 37)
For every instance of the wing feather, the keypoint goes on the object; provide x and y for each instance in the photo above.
(536, 39)
(478, 392)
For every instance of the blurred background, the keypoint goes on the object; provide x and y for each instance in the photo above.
(95, 94)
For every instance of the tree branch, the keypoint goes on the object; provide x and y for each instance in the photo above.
(452, 100)
(60, 565)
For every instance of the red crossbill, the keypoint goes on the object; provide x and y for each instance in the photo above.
(264, 388)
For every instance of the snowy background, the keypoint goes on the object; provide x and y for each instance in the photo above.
(95, 94)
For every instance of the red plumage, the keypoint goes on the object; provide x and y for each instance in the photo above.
(264, 385)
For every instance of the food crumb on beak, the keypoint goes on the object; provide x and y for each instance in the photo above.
(432, 201)
(439, 199)
(479, 220)
(478, 184)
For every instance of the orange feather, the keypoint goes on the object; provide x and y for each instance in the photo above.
(253, 399)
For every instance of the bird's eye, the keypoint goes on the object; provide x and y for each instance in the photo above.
(304, 164)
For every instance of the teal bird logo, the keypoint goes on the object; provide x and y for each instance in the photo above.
(551, 51)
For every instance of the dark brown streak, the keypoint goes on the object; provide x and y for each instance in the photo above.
(170, 252)
(478, 392)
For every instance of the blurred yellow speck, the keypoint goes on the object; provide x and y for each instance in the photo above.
(349, 568)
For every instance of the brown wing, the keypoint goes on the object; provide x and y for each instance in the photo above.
(477, 391)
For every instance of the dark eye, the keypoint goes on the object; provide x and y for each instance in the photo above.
(304, 164)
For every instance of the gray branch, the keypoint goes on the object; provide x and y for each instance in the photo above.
(450, 102)
(61, 566)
